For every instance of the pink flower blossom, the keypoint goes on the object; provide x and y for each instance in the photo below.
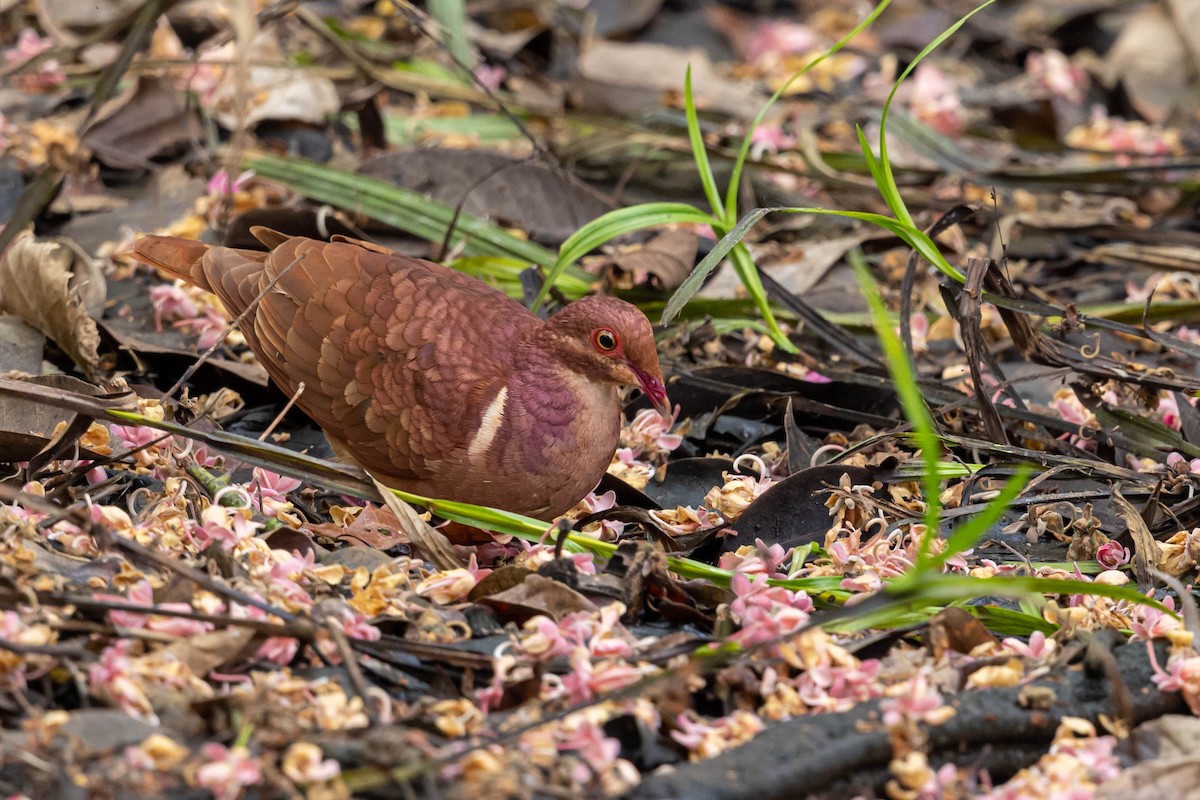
(1149, 623)
(763, 559)
(685, 520)
(491, 75)
(49, 73)
(1038, 646)
(279, 650)
(769, 139)
(776, 38)
(1112, 555)
(538, 554)
(211, 327)
(839, 687)
(918, 325)
(355, 626)
(1168, 409)
(916, 701)
(599, 633)
(739, 491)
(268, 491)
(610, 529)
(112, 677)
(1182, 675)
(131, 437)
(587, 679)
(221, 184)
(142, 594)
(598, 753)
(1055, 73)
(545, 639)
(291, 566)
(491, 696)
(228, 526)
(1180, 465)
(1118, 135)
(706, 739)
(170, 303)
(227, 772)
(303, 765)
(650, 430)
(202, 456)
(934, 100)
(766, 612)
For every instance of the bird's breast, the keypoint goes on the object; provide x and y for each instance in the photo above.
(553, 439)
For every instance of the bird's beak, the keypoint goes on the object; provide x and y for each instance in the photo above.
(654, 389)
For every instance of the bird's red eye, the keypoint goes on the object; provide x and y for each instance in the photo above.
(605, 340)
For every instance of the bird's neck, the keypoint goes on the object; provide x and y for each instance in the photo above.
(548, 372)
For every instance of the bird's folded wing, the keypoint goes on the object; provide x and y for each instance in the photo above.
(400, 358)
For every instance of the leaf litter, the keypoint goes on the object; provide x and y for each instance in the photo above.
(190, 612)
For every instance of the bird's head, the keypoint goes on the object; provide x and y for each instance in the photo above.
(608, 340)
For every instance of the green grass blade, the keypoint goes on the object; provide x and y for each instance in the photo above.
(739, 164)
(613, 224)
(911, 400)
(407, 210)
(451, 15)
(699, 153)
(914, 237)
(885, 180)
(1011, 622)
(967, 534)
(888, 188)
(947, 588)
(505, 274)
(687, 290)
(747, 272)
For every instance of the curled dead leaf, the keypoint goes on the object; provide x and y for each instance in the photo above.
(36, 285)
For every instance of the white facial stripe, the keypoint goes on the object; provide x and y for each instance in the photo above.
(489, 426)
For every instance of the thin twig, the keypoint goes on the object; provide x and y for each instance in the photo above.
(279, 417)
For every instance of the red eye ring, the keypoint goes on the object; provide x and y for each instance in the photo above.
(605, 340)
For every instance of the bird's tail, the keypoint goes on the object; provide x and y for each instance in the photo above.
(180, 258)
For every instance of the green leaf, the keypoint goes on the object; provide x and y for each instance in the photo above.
(881, 172)
(505, 273)
(687, 290)
(451, 16)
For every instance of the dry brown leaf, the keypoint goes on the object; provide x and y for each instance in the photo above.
(27, 426)
(537, 594)
(208, 651)
(1151, 59)
(35, 284)
(1171, 767)
(432, 543)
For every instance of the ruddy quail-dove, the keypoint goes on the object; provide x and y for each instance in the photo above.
(433, 381)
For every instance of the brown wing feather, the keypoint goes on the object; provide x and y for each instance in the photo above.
(179, 258)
